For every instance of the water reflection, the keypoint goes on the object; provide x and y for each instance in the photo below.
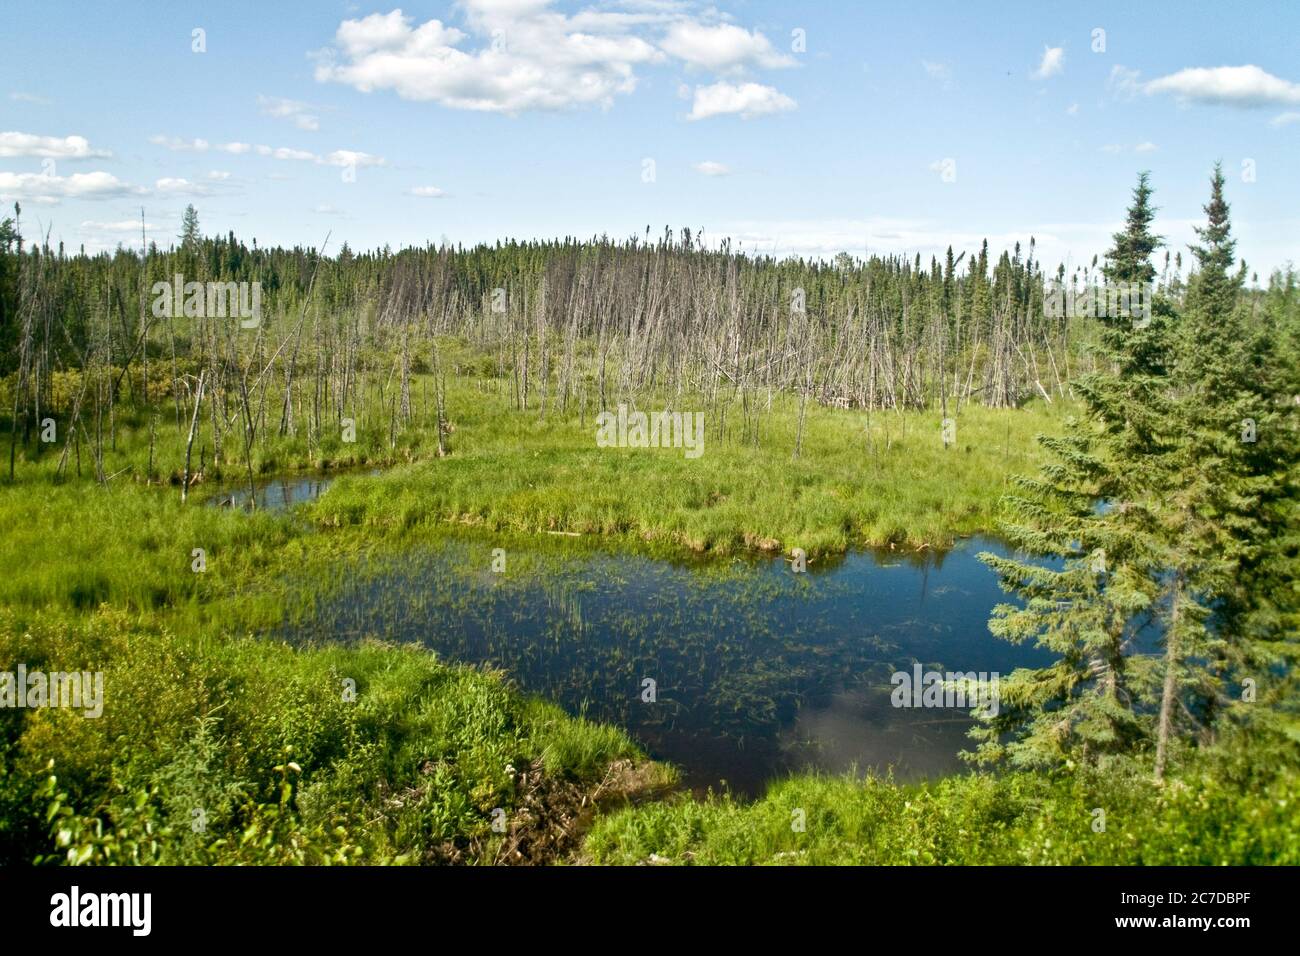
(274, 494)
(757, 671)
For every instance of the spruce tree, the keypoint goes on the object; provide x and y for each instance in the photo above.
(1231, 524)
(1098, 587)
(190, 235)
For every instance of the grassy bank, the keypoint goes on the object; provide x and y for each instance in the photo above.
(289, 762)
(373, 753)
(859, 479)
(1227, 809)
(217, 749)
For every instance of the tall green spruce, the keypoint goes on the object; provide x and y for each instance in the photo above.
(1189, 444)
(190, 234)
(1088, 602)
(1231, 519)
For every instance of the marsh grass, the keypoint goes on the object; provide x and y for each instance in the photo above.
(1225, 810)
(408, 767)
(860, 480)
(258, 733)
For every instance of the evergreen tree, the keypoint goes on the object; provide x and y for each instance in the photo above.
(1130, 259)
(1089, 602)
(1232, 522)
(190, 235)
(1190, 442)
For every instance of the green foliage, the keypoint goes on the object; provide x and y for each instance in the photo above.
(266, 747)
(383, 754)
(861, 479)
(1190, 440)
(1235, 806)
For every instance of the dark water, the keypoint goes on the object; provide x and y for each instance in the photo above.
(275, 494)
(758, 671)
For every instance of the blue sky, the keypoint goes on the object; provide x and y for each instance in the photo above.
(492, 119)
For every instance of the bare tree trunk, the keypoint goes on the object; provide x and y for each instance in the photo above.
(189, 444)
(1171, 679)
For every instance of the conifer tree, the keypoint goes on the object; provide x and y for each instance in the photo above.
(1088, 603)
(190, 235)
(1190, 444)
(1230, 519)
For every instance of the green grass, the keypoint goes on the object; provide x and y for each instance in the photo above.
(287, 769)
(76, 543)
(387, 754)
(1222, 811)
(199, 715)
(892, 484)
(260, 736)
(80, 545)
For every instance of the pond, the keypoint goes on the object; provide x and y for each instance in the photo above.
(272, 494)
(756, 671)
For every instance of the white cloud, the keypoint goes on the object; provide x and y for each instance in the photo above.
(1242, 86)
(284, 152)
(1147, 147)
(391, 31)
(300, 114)
(41, 188)
(747, 99)
(1285, 119)
(722, 48)
(937, 71)
(710, 168)
(1123, 82)
(348, 157)
(1053, 62)
(531, 58)
(20, 97)
(52, 147)
(218, 175)
(172, 186)
(178, 145)
(1072, 109)
(427, 192)
(119, 226)
(519, 55)
(1112, 148)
